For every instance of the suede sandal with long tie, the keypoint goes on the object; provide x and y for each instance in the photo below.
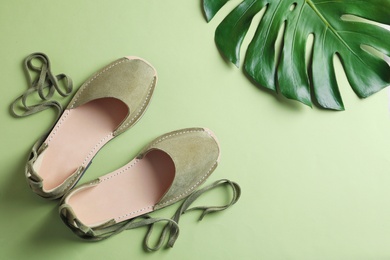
(110, 102)
(169, 169)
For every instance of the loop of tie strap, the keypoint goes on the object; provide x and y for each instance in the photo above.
(45, 84)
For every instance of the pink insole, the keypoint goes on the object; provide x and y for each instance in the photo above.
(126, 193)
(77, 137)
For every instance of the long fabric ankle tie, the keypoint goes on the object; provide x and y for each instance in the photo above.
(46, 82)
(171, 229)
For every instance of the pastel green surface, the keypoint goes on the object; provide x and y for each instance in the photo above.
(314, 183)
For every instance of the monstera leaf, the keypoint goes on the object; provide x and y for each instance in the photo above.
(345, 28)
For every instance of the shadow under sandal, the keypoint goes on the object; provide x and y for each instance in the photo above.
(169, 169)
(107, 104)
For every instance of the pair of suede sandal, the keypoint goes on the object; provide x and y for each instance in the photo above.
(168, 169)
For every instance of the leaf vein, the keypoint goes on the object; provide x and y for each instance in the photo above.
(333, 30)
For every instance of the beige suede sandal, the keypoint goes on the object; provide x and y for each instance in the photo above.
(167, 170)
(107, 104)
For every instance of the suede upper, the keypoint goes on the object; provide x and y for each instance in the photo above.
(195, 154)
(130, 80)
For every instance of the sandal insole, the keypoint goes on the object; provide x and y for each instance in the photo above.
(128, 192)
(77, 137)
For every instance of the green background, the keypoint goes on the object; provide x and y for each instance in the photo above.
(315, 184)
